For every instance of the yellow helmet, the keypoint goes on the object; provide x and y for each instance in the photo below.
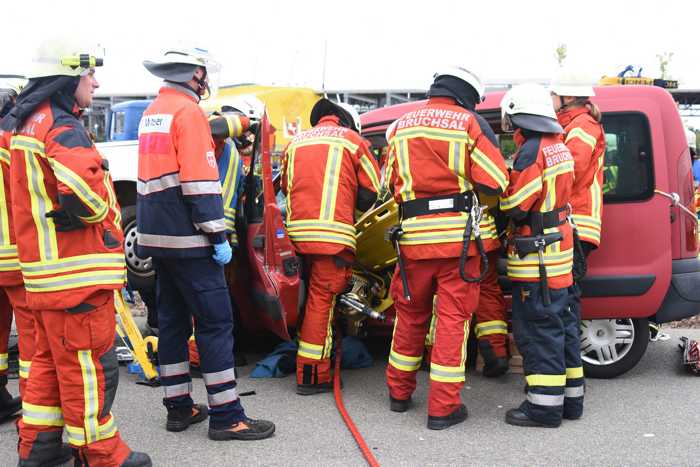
(65, 57)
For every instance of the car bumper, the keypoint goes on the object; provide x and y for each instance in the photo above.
(683, 297)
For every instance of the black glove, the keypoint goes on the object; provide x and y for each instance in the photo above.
(65, 221)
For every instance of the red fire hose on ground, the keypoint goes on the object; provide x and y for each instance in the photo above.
(338, 393)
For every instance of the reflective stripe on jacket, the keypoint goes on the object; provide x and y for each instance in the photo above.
(323, 169)
(541, 181)
(231, 177)
(55, 166)
(179, 209)
(443, 149)
(586, 140)
(10, 273)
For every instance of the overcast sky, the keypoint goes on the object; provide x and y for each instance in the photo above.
(371, 44)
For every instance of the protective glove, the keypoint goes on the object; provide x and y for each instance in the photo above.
(65, 221)
(222, 253)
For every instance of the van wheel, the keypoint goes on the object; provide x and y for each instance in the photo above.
(139, 271)
(611, 347)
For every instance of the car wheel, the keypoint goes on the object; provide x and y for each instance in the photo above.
(611, 347)
(140, 272)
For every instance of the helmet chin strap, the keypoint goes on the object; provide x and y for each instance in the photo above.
(202, 84)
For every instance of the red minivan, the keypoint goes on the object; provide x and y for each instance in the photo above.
(646, 269)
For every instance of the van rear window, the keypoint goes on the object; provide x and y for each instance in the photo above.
(629, 166)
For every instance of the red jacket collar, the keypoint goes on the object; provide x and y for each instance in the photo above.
(567, 116)
(329, 120)
(442, 101)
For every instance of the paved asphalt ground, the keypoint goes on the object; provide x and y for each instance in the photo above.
(649, 416)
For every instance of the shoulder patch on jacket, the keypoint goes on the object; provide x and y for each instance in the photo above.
(486, 129)
(527, 154)
(74, 137)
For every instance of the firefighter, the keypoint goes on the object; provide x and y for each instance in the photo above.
(72, 261)
(584, 136)
(252, 108)
(181, 224)
(440, 155)
(328, 172)
(10, 274)
(540, 253)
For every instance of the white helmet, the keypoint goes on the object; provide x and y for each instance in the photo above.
(65, 57)
(349, 117)
(465, 75)
(574, 83)
(692, 139)
(248, 105)
(179, 65)
(12, 83)
(529, 106)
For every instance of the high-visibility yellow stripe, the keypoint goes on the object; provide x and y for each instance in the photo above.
(430, 337)
(90, 395)
(317, 224)
(82, 190)
(452, 221)
(488, 328)
(404, 171)
(449, 136)
(328, 344)
(112, 201)
(40, 205)
(579, 133)
(331, 180)
(73, 281)
(5, 156)
(546, 380)
(27, 143)
(24, 367)
(76, 435)
(290, 178)
(558, 169)
(447, 374)
(580, 219)
(404, 362)
(483, 161)
(573, 373)
(549, 258)
(74, 263)
(4, 218)
(514, 200)
(389, 167)
(422, 238)
(43, 415)
(3, 361)
(313, 351)
(369, 170)
(351, 147)
(456, 162)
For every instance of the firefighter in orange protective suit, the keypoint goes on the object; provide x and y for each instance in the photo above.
(10, 275)
(571, 92)
(72, 262)
(540, 257)
(440, 155)
(328, 172)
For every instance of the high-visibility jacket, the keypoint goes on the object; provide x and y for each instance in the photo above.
(10, 273)
(443, 149)
(541, 181)
(322, 171)
(55, 166)
(585, 139)
(179, 208)
(231, 178)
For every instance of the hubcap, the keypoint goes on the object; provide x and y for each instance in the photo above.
(606, 341)
(139, 266)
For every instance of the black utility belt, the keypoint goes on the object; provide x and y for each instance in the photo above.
(460, 202)
(536, 243)
(539, 221)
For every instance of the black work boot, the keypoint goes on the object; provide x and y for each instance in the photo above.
(311, 389)
(137, 459)
(440, 423)
(8, 405)
(181, 418)
(63, 454)
(245, 430)
(494, 366)
(399, 405)
(519, 418)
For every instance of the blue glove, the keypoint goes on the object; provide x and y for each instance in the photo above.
(222, 253)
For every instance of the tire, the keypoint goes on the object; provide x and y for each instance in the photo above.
(140, 274)
(611, 347)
